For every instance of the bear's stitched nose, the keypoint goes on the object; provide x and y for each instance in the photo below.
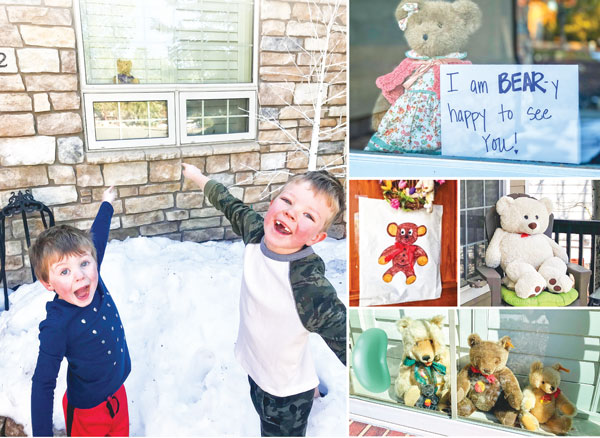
(533, 225)
(426, 358)
(425, 36)
(552, 388)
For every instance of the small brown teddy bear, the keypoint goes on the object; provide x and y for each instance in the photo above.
(404, 253)
(406, 115)
(124, 73)
(543, 402)
(487, 384)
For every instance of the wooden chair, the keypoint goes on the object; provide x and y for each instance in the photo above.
(494, 276)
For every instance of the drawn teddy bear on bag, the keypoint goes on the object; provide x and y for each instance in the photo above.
(404, 253)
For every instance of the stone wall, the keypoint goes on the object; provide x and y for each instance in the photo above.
(42, 143)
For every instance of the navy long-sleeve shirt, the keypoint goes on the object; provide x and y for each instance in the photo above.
(91, 338)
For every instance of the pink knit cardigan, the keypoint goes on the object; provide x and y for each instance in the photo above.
(391, 83)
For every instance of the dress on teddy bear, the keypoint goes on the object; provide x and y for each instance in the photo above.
(413, 122)
(543, 401)
(436, 32)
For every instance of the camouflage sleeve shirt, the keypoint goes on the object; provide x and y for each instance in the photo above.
(283, 299)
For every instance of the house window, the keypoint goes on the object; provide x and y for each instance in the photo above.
(158, 73)
(549, 336)
(477, 198)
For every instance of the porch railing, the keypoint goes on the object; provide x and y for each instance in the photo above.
(581, 229)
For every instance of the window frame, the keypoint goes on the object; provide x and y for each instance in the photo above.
(184, 97)
(141, 92)
(94, 144)
(463, 249)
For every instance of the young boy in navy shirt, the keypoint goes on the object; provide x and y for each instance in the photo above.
(82, 324)
(284, 295)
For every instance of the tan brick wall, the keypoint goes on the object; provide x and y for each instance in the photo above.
(42, 143)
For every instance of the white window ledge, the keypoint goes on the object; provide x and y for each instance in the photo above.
(469, 293)
(380, 165)
(169, 153)
(417, 422)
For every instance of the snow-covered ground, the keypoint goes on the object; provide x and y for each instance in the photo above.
(179, 305)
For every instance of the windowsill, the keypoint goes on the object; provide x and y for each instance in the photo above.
(469, 293)
(371, 164)
(422, 422)
(169, 152)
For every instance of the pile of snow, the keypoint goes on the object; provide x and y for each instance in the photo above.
(179, 303)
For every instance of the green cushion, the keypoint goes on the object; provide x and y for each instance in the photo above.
(545, 299)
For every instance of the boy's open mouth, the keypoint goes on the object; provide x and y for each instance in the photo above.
(280, 227)
(82, 293)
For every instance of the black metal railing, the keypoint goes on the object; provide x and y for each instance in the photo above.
(581, 229)
(19, 203)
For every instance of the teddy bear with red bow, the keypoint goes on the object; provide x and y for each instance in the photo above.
(407, 113)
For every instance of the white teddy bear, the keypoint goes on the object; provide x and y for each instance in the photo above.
(531, 260)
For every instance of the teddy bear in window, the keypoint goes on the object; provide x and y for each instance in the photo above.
(124, 75)
(407, 114)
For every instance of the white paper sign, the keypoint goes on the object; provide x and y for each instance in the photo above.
(373, 219)
(512, 112)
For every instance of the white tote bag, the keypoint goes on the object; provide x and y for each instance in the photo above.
(392, 247)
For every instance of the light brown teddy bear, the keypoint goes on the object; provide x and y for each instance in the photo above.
(487, 384)
(543, 401)
(406, 115)
(124, 72)
(424, 361)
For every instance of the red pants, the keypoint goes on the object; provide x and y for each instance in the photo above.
(109, 418)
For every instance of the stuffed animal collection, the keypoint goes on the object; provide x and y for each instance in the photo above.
(486, 383)
(530, 260)
(407, 113)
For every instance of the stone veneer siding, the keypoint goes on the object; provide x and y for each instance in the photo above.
(42, 141)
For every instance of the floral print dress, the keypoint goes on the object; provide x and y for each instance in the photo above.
(413, 122)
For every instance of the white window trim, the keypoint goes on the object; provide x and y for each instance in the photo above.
(194, 139)
(141, 91)
(93, 144)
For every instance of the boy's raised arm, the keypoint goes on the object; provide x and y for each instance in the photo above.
(244, 220)
(101, 226)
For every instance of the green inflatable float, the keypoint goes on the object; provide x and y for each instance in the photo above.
(369, 360)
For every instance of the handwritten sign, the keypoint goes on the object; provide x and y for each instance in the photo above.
(513, 112)
(8, 62)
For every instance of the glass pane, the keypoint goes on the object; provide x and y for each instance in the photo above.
(211, 116)
(492, 190)
(366, 376)
(475, 221)
(238, 124)
(215, 107)
(238, 107)
(474, 194)
(159, 42)
(130, 119)
(463, 224)
(215, 125)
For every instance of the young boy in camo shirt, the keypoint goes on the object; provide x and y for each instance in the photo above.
(284, 294)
